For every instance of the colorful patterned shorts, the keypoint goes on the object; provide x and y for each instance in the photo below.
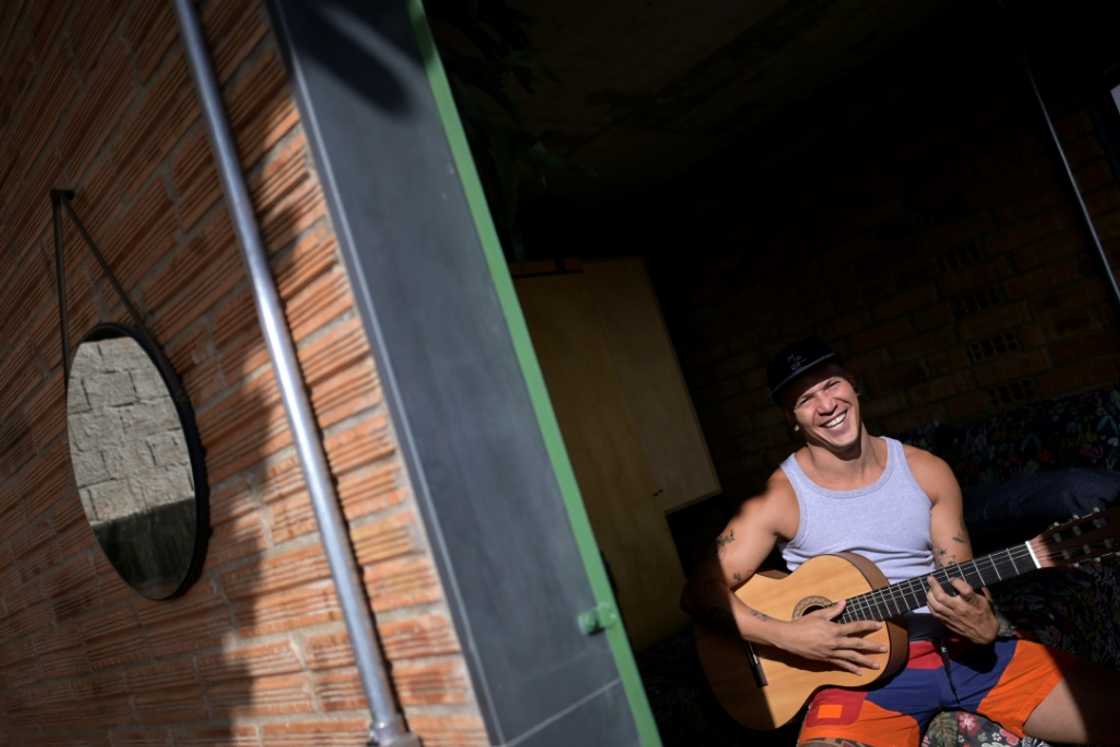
(1005, 682)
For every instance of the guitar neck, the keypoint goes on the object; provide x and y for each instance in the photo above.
(905, 596)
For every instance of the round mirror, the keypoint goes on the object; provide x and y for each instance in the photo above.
(137, 460)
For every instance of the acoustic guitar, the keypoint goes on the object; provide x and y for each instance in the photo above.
(763, 687)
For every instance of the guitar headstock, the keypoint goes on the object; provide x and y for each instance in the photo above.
(1080, 540)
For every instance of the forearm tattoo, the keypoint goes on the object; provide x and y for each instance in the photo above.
(759, 615)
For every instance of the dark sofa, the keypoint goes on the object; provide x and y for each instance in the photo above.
(1020, 471)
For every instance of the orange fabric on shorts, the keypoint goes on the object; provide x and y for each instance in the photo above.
(1004, 682)
(858, 719)
(1033, 673)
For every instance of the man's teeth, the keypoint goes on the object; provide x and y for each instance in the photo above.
(836, 420)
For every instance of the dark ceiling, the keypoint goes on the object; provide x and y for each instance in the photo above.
(645, 89)
(632, 92)
(602, 126)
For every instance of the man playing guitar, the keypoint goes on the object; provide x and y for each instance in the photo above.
(899, 506)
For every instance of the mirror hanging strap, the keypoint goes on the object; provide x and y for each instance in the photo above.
(60, 199)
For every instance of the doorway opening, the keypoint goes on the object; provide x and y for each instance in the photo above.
(679, 191)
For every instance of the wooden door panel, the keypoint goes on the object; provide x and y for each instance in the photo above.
(605, 449)
(655, 393)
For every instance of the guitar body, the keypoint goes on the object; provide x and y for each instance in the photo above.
(770, 690)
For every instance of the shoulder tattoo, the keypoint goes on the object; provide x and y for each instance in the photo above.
(724, 540)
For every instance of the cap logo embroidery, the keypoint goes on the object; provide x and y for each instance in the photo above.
(795, 361)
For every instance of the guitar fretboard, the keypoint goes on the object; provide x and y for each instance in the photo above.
(904, 596)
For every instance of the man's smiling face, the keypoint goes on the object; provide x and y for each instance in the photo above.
(825, 406)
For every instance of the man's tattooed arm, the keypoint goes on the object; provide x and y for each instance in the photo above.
(759, 615)
(724, 540)
(718, 612)
(959, 549)
(961, 537)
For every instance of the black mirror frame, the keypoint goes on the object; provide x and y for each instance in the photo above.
(60, 202)
(197, 453)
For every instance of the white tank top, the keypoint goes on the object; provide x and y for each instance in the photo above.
(886, 522)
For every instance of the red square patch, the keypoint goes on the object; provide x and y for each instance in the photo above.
(835, 706)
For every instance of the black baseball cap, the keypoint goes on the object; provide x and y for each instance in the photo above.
(794, 360)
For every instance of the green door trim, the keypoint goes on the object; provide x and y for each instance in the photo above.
(530, 369)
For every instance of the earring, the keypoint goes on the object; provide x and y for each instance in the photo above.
(796, 428)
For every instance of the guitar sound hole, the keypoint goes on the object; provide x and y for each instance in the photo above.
(810, 604)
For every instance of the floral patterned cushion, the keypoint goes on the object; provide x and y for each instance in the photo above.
(1077, 431)
(968, 730)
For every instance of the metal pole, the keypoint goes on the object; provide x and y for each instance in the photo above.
(57, 196)
(388, 727)
(1073, 182)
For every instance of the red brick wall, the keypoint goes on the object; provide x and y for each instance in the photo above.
(98, 96)
(937, 244)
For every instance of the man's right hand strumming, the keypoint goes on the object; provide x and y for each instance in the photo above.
(816, 636)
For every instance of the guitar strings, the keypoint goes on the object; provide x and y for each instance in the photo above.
(877, 603)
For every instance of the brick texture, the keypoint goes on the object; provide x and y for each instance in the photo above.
(98, 96)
